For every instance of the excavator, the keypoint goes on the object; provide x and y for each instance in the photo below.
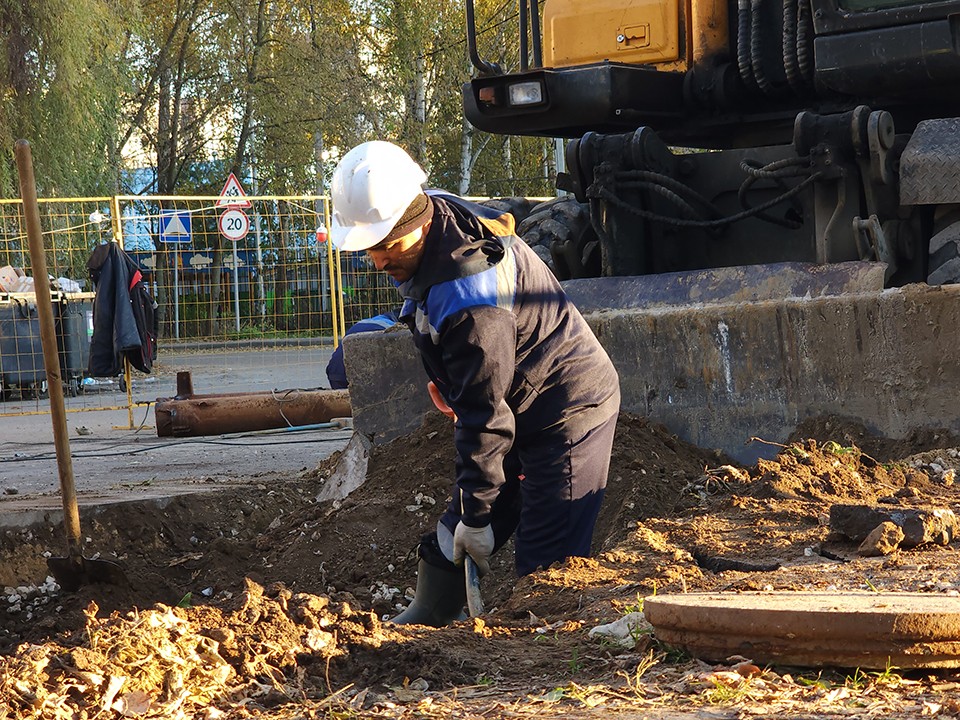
(718, 133)
(762, 218)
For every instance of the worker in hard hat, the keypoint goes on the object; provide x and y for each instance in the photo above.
(534, 395)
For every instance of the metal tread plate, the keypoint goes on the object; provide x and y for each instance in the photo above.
(930, 164)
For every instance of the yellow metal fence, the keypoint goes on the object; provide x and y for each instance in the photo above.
(251, 295)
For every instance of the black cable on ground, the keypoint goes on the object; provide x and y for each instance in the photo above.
(175, 443)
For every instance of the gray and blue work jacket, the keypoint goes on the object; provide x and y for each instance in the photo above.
(509, 352)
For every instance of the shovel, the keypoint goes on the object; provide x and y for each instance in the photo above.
(474, 598)
(74, 570)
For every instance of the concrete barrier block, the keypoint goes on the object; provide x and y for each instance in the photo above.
(719, 374)
(388, 385)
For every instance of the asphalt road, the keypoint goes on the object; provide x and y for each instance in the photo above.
(113, 461)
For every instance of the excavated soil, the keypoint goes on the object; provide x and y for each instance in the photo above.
(262, 602)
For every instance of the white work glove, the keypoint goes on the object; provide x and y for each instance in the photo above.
(475, 542)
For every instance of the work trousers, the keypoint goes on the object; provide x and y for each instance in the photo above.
(551, 498)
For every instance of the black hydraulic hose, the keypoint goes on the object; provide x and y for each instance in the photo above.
(775, 171)
(627, 177)
(744, 66)
(686, 208)
(770, 88)
(790, 65)
(782, 222)
(805, 43)
(599, 192)
(756, 50)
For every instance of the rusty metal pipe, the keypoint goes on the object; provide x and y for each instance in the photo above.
(215, 415)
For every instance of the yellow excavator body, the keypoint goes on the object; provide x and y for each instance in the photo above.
(668, 34)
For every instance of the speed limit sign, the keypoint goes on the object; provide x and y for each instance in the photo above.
(234, 224)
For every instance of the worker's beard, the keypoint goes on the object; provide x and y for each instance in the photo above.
(403, 265)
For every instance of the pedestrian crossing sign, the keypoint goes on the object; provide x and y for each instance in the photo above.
(174, 226)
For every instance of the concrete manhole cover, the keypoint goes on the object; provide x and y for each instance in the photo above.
(866, 630)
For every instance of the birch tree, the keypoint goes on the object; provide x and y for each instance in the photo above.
(502, 165)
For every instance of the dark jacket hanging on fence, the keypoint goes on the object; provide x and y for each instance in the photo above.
(125, 322)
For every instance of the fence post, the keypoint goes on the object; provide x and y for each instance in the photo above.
(115, 221)
(261, 289)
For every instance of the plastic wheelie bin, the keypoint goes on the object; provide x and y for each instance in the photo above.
(74, 328)
(21, 353)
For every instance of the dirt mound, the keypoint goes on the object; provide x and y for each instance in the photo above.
(202, 545)
(848, 432)
(831, 472)
(280, 596)
(365, 544)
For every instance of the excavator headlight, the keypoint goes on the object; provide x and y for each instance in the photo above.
(526, 93)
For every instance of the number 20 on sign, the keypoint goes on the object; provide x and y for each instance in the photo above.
(234, 224)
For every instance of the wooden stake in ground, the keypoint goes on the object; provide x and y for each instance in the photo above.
(74, 570)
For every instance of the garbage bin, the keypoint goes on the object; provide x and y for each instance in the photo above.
(74, 328)
(21, 352)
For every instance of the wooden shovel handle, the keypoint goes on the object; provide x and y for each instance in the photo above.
(51, 358)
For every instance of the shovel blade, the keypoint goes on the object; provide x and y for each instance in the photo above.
(472, 578)
(71, 573)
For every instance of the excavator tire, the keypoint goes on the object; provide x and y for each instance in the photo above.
(944, 263)
(559, 231)
(519, 207)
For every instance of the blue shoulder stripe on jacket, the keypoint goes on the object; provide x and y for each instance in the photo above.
(494, 287)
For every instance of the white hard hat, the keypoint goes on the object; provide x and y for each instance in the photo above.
(372, 186)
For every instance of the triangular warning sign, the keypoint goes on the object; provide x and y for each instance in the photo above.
(232, 194)
(175, 227)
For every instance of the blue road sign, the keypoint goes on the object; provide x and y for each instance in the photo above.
(174, 226)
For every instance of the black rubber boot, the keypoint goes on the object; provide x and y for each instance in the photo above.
(441, 589)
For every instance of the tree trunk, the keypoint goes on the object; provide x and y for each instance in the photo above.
(508, 166)
(216, 280)
(319, 164)
(420, 104)
(165, 160)
(239, 161)
(285, 320)
(466, 156)
(549, 163)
